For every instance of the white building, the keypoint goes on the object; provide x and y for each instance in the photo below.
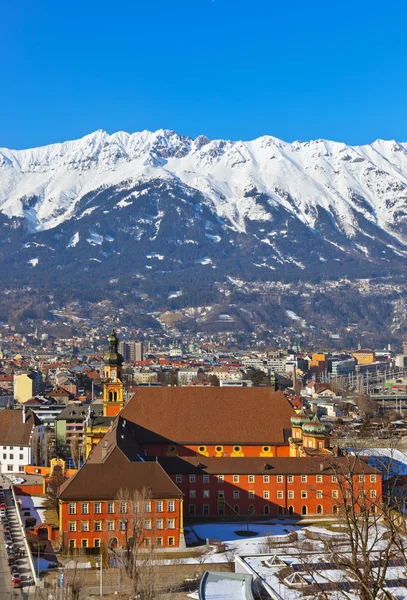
(187, 376)
(20, 431)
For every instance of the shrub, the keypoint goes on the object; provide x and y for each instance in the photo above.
(30, 522)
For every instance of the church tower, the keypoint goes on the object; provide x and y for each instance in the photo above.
(112, 378)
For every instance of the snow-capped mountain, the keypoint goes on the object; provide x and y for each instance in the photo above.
(161, 202)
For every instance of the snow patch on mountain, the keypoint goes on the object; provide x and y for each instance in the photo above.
(74, 240)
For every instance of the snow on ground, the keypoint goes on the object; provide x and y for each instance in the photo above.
(225, 532)
(34, 505)
(292, 315)
(95, 238)
(214, 238)
(204, 261)
(388, 460)
(74, 240)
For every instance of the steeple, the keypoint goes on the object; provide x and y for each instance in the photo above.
(113, 357)
(112, 381)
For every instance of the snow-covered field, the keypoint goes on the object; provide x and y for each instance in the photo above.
(225, 532)
(34, 505)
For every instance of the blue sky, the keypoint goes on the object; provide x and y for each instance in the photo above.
(224, 68)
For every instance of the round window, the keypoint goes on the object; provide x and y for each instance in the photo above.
(201, 448)
(218, 448)
(172, 448)
(266, 448)
(237, 448)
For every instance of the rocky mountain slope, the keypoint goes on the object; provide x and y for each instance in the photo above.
(176, 217)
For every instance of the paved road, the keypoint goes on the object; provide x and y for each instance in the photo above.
(7, 592)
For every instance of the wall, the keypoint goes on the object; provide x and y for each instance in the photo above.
(29, 490)
(104, 516)
(216, 450)
(261, 505)
(19, 459)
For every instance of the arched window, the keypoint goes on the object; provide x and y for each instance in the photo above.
(236, 509)
(320, 510)
(113, 542)
(335, 509)
(291, 510)
(115, 396)
(266, 509)
(251, 509)
(304, 510)
(110, 396)
(280, 510)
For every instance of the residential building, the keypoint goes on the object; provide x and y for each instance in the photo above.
(364, 357)
(20, 431)
(6, 398)
(46, 409)
(26, 385)
(131, 350)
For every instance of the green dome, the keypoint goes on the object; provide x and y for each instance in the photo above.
(299, 419)
(314, 427)
(113, 357)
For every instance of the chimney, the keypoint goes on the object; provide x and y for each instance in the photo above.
(23, 413)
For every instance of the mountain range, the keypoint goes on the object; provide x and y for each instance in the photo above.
(177, 218)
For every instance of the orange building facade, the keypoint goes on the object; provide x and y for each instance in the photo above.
(206, 452)
(91, 524)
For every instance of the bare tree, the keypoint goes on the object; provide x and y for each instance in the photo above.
(372, 530)
(201, 554)
(230, 556)
(75, 451)
(36, 449)
(51, 501)
(136, 558)
(75, 583)
(47, 447)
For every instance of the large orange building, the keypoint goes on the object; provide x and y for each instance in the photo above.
(208, 452)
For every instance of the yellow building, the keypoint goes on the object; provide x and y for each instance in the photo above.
(364, 357)
(113, 398)
(26, 385)
(145, 377)
(318, 362)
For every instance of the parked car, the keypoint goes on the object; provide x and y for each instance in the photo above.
(16, 581)
(14, 570)
(10, 561)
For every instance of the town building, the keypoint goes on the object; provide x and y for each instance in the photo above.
(364, 357)
(26, 385)
(20, 433)
(131, 350)
(213, 452)
(46, 409)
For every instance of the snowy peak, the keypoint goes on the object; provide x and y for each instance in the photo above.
(350, 195)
